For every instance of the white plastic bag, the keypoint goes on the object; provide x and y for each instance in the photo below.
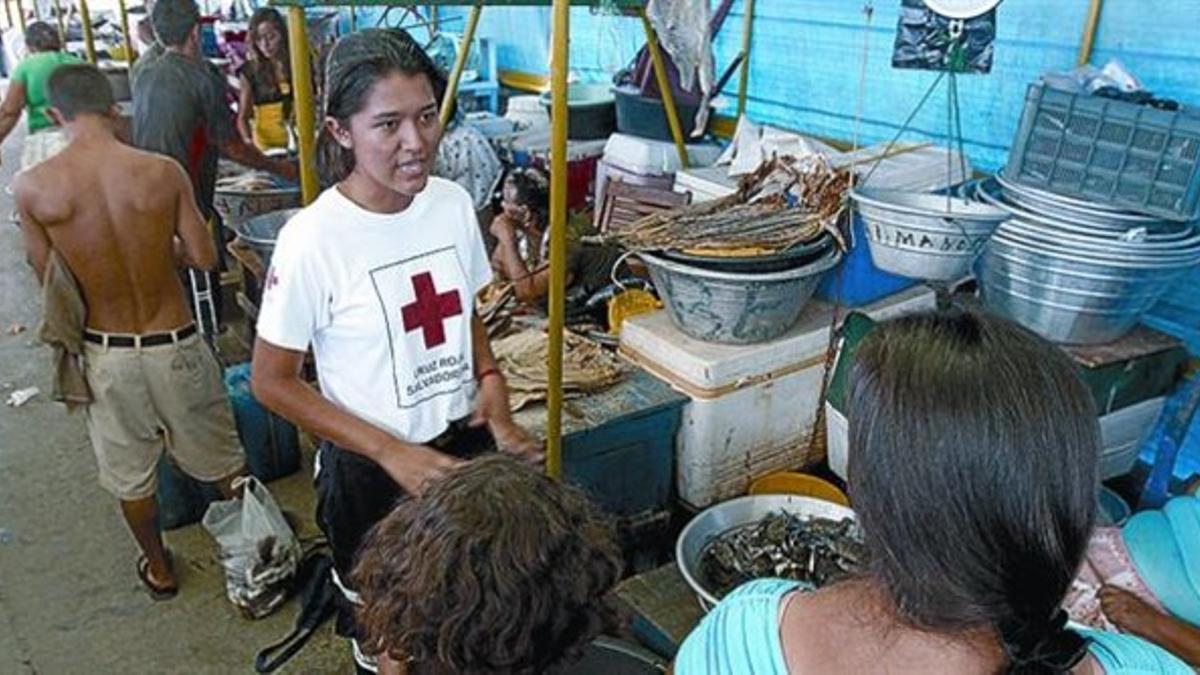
(258, 550)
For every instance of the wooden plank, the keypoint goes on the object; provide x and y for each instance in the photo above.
(664, 607)
(1142, 341)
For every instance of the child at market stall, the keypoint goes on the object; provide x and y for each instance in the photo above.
(973, 473)
(495, 569)
(522, 232)
(378, 276)
(265, 88)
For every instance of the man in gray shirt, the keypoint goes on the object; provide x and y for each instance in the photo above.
(180, 110)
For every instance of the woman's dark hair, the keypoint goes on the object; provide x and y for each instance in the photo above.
(265, 15)
(496, 569)
(357, 61)
(533, 191)
(973, 470)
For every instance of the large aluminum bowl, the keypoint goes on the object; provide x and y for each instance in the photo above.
(261, 232)
(736, 308)
(719, 519)
(237, 205)
(925, 236)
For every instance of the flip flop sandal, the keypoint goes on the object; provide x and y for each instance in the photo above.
(157, 593)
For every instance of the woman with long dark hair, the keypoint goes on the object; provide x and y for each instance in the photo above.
(378, 276)
(973, 471)
(265, 86)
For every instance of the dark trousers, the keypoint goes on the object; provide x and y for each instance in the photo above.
(354, 493)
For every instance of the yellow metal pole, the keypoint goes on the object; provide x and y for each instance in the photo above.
(89, 40)
(8, 13)
(460, 62)
(125, 31)
(1089, 32)
(21, 14)
(559, 67)
(664, 85)
(353, 18)
(744, 76)
(433, 19)
(305, 109)
(62, 25)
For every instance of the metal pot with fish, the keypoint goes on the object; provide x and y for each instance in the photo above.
(810, 540)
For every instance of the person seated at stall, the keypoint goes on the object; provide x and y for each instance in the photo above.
(466, 157)
(27, 93)
(497, 568)
(522, 232)
(973, 473)
(265, 88)
(1141, 578)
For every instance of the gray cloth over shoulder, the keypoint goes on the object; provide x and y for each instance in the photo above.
(64, 317)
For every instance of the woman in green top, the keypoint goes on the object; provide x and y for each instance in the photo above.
(27, 91)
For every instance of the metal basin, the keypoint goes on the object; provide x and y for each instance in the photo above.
(260, 232)
(734, 308)
(925, 236)
(236, 205)
(716, 520)
(797, 256)
(1100, 224)
(1064, 300)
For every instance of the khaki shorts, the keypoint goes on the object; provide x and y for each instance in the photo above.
(42, 145)
(168, 396)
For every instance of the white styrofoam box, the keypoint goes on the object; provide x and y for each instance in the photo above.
(922, 169)
(647, 163)
(528, 112)
(919, 170)
(649, 157)
(1122, 433)
(537, 142)
(752, 406)
(705, 183)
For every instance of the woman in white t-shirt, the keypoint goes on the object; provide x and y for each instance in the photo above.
(378, 276)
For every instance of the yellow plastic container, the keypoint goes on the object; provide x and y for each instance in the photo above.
(805, 485)
(628, 303)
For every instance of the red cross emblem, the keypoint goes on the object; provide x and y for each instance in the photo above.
(272, 280)
(430, 310)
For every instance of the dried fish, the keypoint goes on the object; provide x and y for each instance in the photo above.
(815, 551)
(587, 367)
(788, 201)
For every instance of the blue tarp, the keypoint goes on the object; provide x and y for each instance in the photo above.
(806, 58)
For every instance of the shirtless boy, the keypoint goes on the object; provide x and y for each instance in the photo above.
(121, 219)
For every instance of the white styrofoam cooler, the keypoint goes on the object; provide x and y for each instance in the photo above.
(752, 406)
(1122, 433)
(646, 162)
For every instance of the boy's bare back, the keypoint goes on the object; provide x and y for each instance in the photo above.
(112, 212)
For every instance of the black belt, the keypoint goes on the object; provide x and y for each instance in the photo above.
(148, 340)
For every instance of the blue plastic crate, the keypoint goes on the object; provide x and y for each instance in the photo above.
(857, 281)
(1112, 152)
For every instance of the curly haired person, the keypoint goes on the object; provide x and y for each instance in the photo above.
(495, 569)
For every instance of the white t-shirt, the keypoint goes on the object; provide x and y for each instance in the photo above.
(386, 302)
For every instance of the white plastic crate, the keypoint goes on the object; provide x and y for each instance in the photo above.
(752, 407)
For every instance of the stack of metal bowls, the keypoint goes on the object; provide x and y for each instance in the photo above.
(1075, 272)
(925, 236)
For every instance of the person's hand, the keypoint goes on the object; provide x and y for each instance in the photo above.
(503, 228)
(414, 467)
(492, 409)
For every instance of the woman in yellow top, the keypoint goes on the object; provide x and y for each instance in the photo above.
(265, 105)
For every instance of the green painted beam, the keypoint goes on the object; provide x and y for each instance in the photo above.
(623, 4)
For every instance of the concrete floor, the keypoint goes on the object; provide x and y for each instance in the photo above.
(70, 601)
